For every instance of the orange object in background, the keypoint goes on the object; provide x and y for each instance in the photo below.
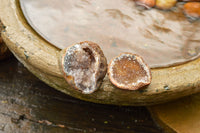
(192, 9)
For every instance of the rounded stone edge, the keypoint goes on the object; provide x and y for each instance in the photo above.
(100, 74)
(183, 81)
(140, 60)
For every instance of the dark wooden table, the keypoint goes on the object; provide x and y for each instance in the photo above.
(27, 105)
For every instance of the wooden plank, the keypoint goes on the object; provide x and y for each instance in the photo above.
(27, 105)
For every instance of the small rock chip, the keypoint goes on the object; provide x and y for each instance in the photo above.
(146, 3)
(129, 71)
(165, 4)
(84, 66)
(192, 9)
(61, 126)
(45, 122)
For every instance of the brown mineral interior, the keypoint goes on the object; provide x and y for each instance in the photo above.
(128, 71)
(162, 38)
(82, 66)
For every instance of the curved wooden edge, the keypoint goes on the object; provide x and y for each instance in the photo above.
(182, 115)
(42, 59)
(165, 128)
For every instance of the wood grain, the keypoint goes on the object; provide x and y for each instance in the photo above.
(27, 105)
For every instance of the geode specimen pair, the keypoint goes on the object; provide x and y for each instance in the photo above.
(84, 66)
